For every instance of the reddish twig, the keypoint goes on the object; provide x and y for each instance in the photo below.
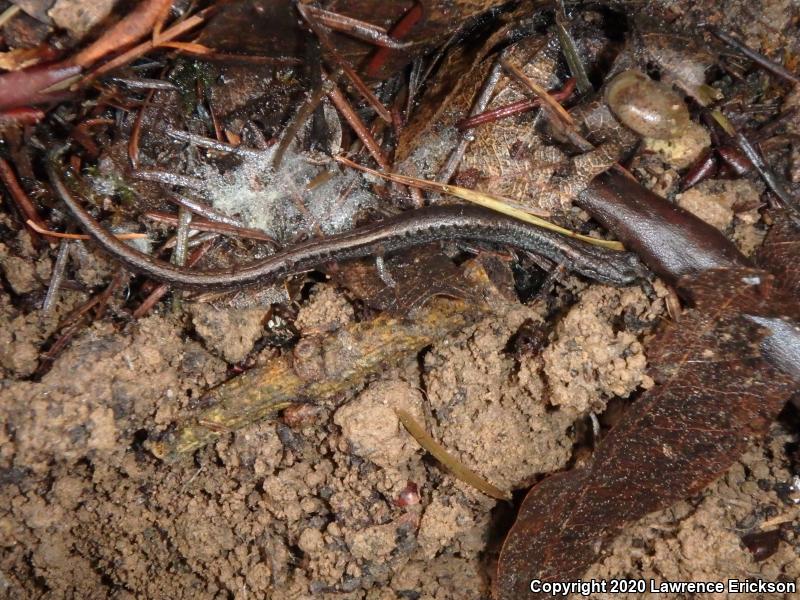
(81, 135)
(18, 195)
(201, 224)
(340, 62)
(516, 108)
(133, 27)
(343, 106)
(401, 29)
(141, 49)
(136, 131)
(21, 116)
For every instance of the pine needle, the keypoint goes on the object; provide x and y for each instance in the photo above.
(456, 467)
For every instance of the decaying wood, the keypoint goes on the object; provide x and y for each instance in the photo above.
(321, 369)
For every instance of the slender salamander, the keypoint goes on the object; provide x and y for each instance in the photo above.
(467, 223)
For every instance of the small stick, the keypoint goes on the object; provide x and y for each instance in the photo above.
(170, 178)
(358, 29)
(196, 238)
(570, 50)
(181, 237)
(145, 84)
(206, 211)
(515, 108)
(178, 257)
(342, 63)
(215, 227)
(768, 176)
(400, 30)
(204, 142)
(22, 116)
(136, 131)
(132, 27)
(308, 107)
(73, 322)
(276, 61)
(9, 14)
(18, 195)
(141, 49)
(756, 57)
(445, 174)
(343, 106)
(539, 91)
(80, 135)
(452, 464)
(57, 277)
(187, 47)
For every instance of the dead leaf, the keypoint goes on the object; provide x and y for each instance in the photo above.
(780, 253)
(716, 393)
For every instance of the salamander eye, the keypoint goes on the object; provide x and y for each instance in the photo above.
(648, 107)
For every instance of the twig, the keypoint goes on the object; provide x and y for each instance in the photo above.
(290, 131)
(515, 108)
(341, 62)
(358, 29)
(343, 106)
(539, 91)
(170, 178)
(74, 321)
(136, 131)
(206, 211)
(161, 289)
(769, 177)
(216, 227)
(181, 237)
(134, 26)
(19, 196)
(400, 30)
(756, 57)
(57, 277)
(145, 84)
(179, 252)
(447, 170)
(9, 14)
(204, 142)
(451, 463)
(176, 30)
(570, 50)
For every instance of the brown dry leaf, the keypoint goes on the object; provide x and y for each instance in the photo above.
(716, 392)
(780, 253)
